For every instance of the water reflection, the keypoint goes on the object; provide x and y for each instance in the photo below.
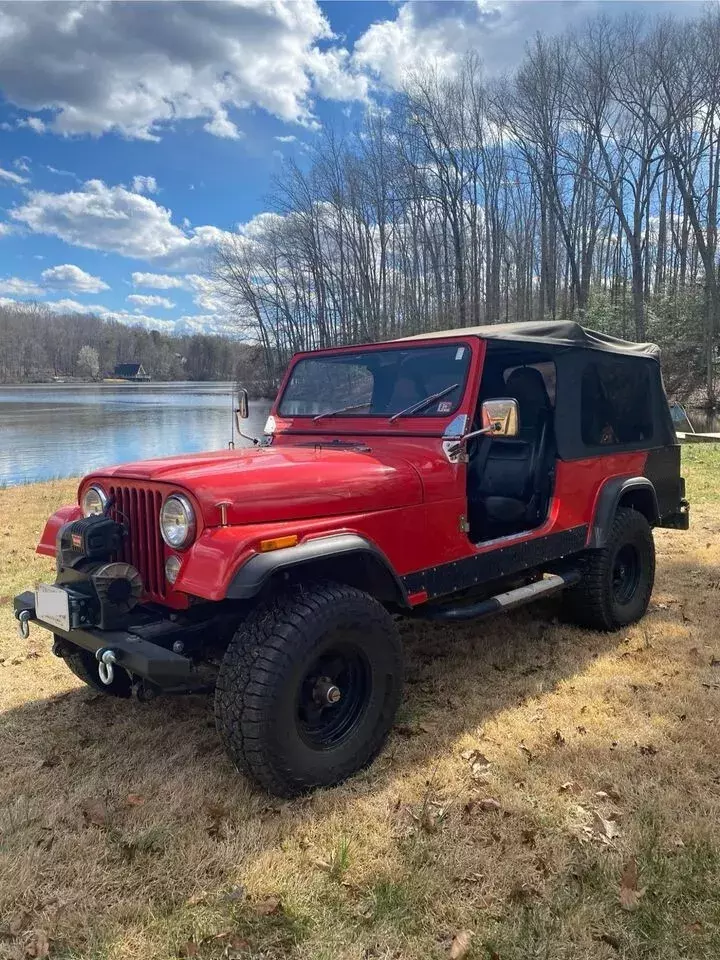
(66, 430)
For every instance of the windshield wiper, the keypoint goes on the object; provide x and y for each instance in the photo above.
(335, 413)
(421, 404)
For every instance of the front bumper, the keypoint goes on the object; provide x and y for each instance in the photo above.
(150, 661)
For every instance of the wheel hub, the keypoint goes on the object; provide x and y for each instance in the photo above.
(333, 696)
(325, 692)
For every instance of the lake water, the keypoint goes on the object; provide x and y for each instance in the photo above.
(69, 429)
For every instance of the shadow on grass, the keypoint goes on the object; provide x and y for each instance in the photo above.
(125, 829)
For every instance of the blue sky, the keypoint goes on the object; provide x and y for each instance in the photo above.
(134, 135)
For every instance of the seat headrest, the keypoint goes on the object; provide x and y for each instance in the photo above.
(526, 385)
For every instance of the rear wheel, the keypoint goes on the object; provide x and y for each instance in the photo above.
(618, 579)
(309, 687)
(85, 667)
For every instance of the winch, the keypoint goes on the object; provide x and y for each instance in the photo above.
(101, 589)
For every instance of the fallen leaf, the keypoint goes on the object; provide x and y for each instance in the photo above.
(570, 786)
(39, 946)
(268, 907)
(235, 894)
(611, 791)
(188, 949)
(196, 898)
(605, 829)
(694, 927)
(629, 893)
(460, 945)
(648, 750)
(527, 751)
(407, 730)
(558, 738)
(134, 800)
(489, 804)
(95, 811)
(609, 939)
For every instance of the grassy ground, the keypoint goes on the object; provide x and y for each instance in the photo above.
(548, 793)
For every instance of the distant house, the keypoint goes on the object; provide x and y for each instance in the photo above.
(130, 371)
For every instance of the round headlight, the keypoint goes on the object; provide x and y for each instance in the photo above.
(177, 521)
(94, 501)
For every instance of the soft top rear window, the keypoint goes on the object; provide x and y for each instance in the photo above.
(378, 383)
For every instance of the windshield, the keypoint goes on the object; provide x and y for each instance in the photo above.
(378, 383)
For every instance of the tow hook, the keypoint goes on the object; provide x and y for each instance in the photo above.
(106, 658)
(24, 624)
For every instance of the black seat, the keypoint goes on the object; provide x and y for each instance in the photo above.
(510, 481)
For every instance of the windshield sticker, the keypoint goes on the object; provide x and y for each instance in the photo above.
(460, 353)
(444, 406)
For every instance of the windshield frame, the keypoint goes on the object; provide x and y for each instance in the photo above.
(351, 419)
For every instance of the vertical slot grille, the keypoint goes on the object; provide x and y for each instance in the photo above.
(138, 509)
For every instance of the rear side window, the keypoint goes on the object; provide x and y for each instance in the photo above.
(616, 404)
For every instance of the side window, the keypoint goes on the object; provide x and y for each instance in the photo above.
(615, 402)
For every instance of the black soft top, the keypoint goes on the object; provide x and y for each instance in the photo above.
(557, 333)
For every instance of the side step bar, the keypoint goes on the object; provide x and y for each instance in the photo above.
(502, 601)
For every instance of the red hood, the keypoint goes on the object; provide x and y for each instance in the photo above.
(284, 482)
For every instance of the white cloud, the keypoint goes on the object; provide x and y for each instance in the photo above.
(22, 164)
(134, 68)
(9, 177)
(156, 281)
(19, 287)
(440, 34)
(68, 305)
(61, 173)
(67, 276)
(222, 126)
(144, 185)
(117, 220)
(150, 300)
(333, 77)
(288, 139)
(33, 123)
(5, 229)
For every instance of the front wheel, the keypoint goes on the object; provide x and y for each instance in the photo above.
(618, 579)
(309, 687)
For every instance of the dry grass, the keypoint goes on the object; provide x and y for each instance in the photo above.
(124, 832)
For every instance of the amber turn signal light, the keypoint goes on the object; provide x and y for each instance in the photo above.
(277, 543)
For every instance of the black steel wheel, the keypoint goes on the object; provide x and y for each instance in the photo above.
(309, 687)
(626, 573)
(618, 579)
(334, 695)
(85, 667)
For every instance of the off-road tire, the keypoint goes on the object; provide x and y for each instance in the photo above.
(85, 667)
(594, 602)
(263, 676)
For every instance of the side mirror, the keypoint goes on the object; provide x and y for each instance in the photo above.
(243, 407)
(500, 418)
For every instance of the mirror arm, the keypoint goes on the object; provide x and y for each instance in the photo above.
(476, 433)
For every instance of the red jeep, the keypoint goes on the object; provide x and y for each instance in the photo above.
(446, 476)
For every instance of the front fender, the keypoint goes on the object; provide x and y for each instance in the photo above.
(224, 563)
